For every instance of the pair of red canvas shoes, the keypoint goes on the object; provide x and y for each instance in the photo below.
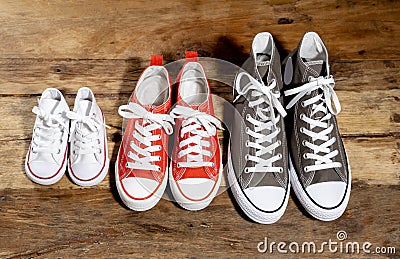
(143, 167)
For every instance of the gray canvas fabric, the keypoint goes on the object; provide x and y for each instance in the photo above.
(263, 67)
(302, 70)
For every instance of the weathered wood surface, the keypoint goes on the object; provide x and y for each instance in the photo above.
(106, 44)
(136, 29)
(92, 224)
(32, 76)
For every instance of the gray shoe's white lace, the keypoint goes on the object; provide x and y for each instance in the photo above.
(321, 103)
(266, 102)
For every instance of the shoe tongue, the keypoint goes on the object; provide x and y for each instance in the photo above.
(84, 107)
(312, 68)
(51, 106)
(263, 62)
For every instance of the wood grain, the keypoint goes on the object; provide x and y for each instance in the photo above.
(32, 76)
(373, 161)
(136, 29)
(93, 224)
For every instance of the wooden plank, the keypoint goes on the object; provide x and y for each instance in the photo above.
(366, 113)
(32, 76)
(93, 224)
(109, 30)
(372, 160)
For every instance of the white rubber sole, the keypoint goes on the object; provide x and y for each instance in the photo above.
(94, 181)
(313, 209)
(140, 205)
(189, 204)
(247, 207)
(50, 181)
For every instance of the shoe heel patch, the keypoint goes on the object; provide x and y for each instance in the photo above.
(191, 56)
(156, 60)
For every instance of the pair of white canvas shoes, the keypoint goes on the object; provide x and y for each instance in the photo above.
(55, 125)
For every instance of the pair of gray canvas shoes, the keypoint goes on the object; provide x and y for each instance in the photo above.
(274, 146)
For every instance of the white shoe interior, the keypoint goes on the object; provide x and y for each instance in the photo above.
(262, 46)
(84, 100)
(153, 87)
(193, 85)
(312, 48)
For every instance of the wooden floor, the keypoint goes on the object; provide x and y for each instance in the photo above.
(106, 44)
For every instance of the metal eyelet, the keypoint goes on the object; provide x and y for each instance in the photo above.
(280, 170)
(158, 169)
(305, 156)
(159, 158)
(212, 164)
(246, 170)
(302, 116)
(247, 130)
(246, 157)
(178, 165)
(302, 104)
(304, 143)
(247, 143)
(302, 130)
(279, 142)
(306, 169)
(280, 155)
(248, 116)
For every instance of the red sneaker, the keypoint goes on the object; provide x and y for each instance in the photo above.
(140, 170)
(196, 169)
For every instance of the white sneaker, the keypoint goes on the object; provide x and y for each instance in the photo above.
(45, 161)
(88, 159)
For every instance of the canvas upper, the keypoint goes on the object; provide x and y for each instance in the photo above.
(47, 155)
(88, 159)
(267, 188)
(308, 64)
(143, 155)
(196, 173)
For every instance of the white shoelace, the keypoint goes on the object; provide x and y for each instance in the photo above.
(48, 134)
(144, 135)
(86, 130)
(320, 103)
(193, 122)
(266, 97)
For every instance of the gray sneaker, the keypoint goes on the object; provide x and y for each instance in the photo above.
(319, 169)
(258, 156)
